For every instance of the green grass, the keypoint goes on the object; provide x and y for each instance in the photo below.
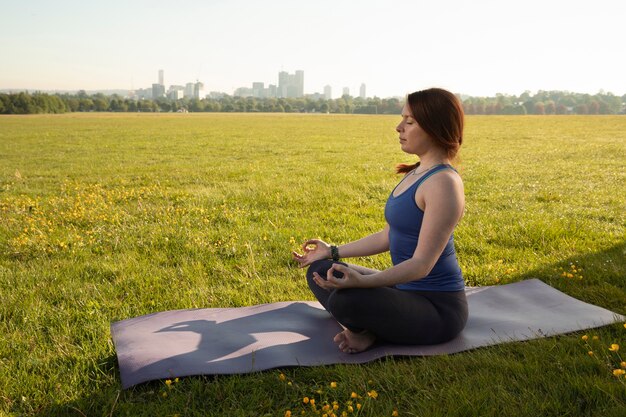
(107, 217)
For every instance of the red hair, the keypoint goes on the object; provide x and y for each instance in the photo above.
(440, 114)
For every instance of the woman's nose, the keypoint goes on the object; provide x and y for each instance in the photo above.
(398, 128)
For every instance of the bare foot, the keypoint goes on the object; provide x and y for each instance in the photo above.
(351, 342)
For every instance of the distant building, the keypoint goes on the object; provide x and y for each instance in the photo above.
(362, 91)
(328, 92)
(188, 90)
(198, 90)
(161, 77)
(272, 91)
(258, 90)
(158, 91)
(315, 96)
(176, 93)
(291, 85)
(243, 92)
(346, 91)
(194, 90)
(144, 93)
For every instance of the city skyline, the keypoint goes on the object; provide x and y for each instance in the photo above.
(478, 48)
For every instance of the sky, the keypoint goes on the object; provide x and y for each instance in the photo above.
(478, 48)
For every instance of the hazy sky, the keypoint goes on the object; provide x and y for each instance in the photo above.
(479, 47)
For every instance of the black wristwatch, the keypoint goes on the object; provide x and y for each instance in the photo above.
(334, 253)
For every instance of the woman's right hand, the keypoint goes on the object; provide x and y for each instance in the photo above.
(314, 249)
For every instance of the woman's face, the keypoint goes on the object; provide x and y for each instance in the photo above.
(413, 139)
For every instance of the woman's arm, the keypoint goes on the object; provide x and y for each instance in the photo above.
(369, 245)
(443, 201)
(315, 249)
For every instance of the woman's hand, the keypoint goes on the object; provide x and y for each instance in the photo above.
(349, 278)
(314, 249)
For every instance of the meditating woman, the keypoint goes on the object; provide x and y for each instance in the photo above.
(421, 298)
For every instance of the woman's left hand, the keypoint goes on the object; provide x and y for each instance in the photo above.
(350, 279)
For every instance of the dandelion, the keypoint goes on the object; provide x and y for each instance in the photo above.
(585, 337)
(168, 382)
(350, 409)
(372, 394)
(394, 413)
(333, 384)
(312, 401)
(614, 347)
(176, 380)
(335, 407)
(358, 406)
(590, 353)
(288, 413)
(282, 377)
(618, 372)
(353, 395)
(305, 400)
(623, 365)
(164, 394)
(596, 338)
(624, 325)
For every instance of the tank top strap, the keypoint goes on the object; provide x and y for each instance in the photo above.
(432, 172)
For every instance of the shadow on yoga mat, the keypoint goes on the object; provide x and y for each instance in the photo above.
(248, 339)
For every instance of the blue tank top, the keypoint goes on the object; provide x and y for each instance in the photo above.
(405, 221)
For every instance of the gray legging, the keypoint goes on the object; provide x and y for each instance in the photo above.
(393, 315)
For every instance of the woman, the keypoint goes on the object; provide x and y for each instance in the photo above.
(421, 298)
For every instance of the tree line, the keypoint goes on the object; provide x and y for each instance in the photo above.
(543, 102)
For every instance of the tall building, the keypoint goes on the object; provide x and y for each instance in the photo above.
(158, 90)
(328, 92)
(188, 90)
(198, 90)
(291, 85)
(161, 77)
(346, 91)
(258, 90)
(362, 91)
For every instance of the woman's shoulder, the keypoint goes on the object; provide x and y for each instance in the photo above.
(446, 185)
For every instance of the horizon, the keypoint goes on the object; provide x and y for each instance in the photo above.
(478, 50)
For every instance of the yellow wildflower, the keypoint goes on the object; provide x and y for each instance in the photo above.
(335, 407)
(305, 400)
(358, 406)
(590, 353)
(618, 372)
(614, 347)
(395, 413)
(372, 394)
(353, 395)
(326, 407)
(168, 382)
(623, 365)
(585, 337)
(595, 338)
(333, 384)
(282, 377)
(288, 413)
(350, 409)
(624, 325)
(176, 380)
(164, 394)
(312, 401)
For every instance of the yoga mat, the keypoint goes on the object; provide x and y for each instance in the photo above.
(247, 339)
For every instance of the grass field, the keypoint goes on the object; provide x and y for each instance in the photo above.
(106, 217)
